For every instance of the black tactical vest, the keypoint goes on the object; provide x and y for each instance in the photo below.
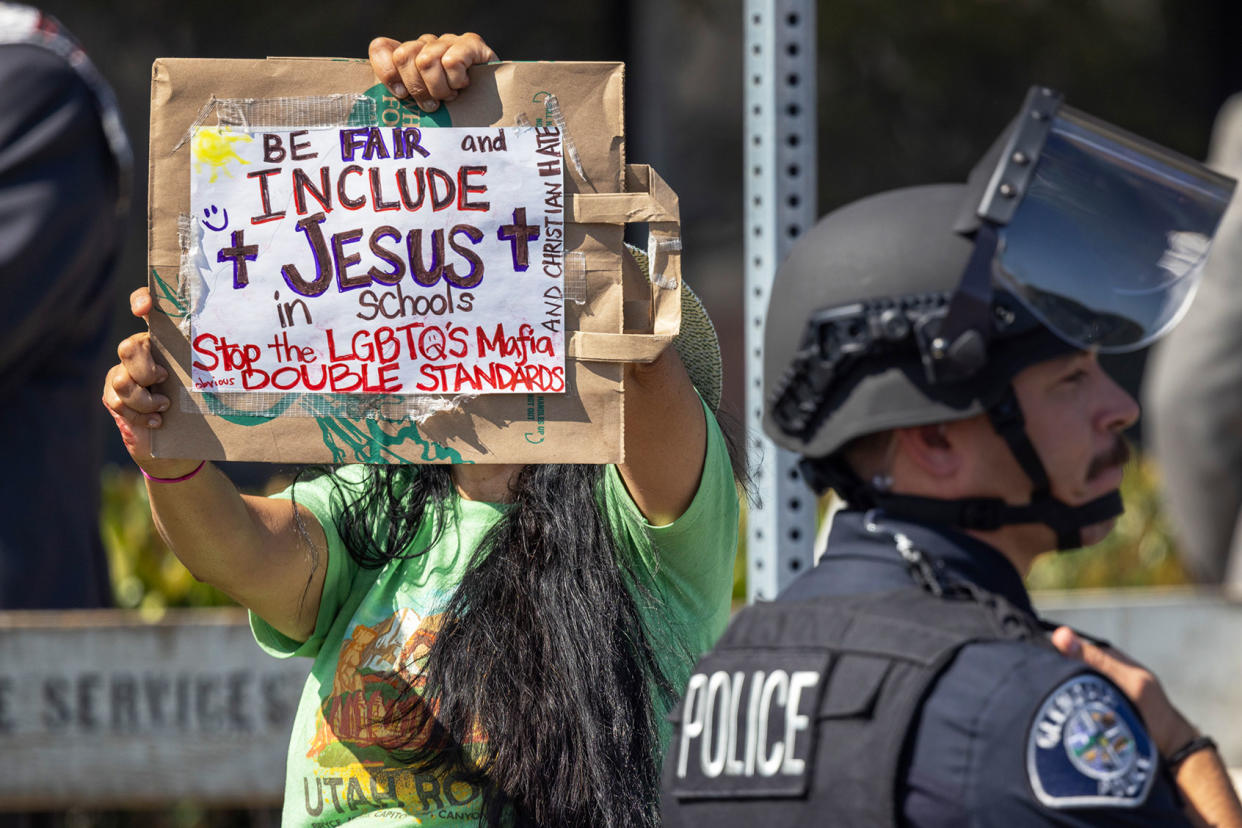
(799, 716)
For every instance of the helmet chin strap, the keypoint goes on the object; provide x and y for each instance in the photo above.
(989, 513)
(979, 513)
(1065, 520)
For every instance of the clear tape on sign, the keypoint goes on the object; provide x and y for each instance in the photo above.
(576, 278)
(553, 109)
(187, 275)
(354, 109)
(659, 245)
(387, 407)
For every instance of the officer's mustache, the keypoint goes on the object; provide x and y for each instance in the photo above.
(1117, 455)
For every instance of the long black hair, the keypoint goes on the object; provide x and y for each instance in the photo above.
(542, 684)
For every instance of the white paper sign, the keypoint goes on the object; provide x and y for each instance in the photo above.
(378, 260)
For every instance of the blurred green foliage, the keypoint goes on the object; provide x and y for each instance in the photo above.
(1140, 551)
(739, 563)
(145, 574)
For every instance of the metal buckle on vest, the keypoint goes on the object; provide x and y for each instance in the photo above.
(1012, 622)
(919, 565)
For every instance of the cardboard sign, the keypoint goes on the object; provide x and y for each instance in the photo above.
(397, 261)
(507, 387)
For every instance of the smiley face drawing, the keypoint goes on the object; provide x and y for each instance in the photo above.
(211, 211)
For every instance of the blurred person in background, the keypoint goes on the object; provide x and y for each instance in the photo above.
(64, 176)
(1193, 394)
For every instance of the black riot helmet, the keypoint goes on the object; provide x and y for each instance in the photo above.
(919, 305)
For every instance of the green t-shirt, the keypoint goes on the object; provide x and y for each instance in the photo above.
(373, 622)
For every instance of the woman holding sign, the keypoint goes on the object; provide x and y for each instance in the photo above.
(490, 642)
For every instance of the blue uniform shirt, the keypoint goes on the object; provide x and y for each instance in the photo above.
(1012, 733)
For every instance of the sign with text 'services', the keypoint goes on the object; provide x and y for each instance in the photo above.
(377, 260)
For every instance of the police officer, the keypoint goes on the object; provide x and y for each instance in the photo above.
(931, 353)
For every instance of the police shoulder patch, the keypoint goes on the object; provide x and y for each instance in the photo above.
(1087, 747)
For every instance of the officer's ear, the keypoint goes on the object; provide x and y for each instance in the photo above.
(930, 450)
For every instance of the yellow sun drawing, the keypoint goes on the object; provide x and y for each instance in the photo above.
(214, 147)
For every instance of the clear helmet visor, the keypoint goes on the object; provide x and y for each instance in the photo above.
(1108, 242)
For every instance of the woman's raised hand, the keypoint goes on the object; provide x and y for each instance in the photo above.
(129, 399)
(430, 69)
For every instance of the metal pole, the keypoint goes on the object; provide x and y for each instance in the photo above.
(780, 176)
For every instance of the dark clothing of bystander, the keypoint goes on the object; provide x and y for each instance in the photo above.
(64, 170)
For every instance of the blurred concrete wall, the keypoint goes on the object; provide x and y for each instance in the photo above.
(1188, 638)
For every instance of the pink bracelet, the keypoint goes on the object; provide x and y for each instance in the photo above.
(155, 479)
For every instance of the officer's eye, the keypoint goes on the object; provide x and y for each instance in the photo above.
(1074, 377)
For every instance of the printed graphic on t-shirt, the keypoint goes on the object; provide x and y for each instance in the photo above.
(376, 704)
(374, 710)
